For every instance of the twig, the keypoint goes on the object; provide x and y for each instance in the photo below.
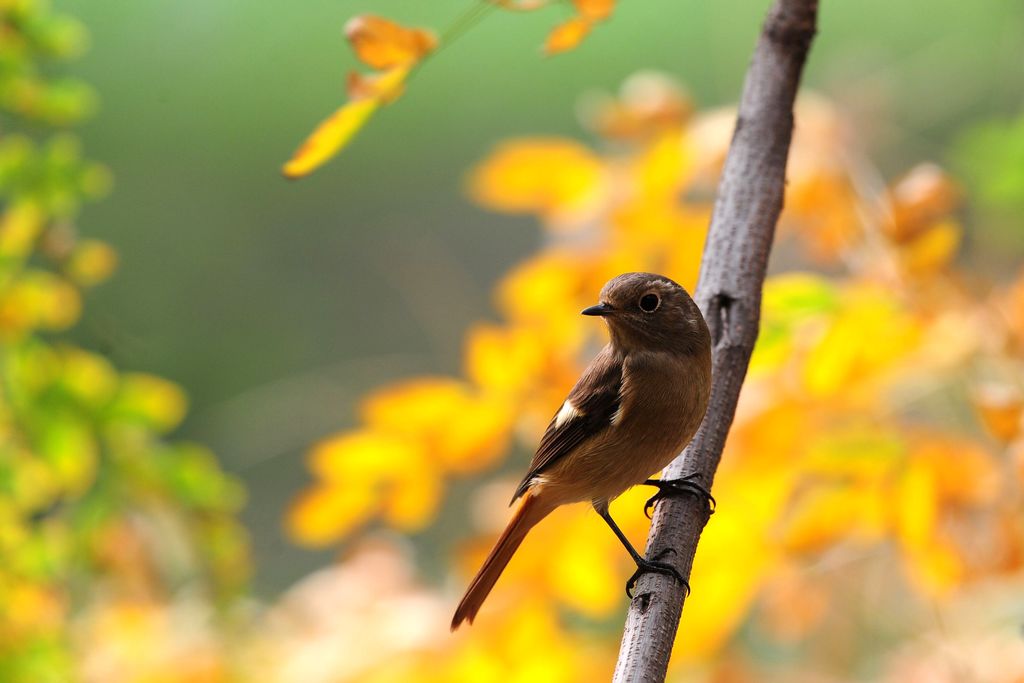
(729, 294)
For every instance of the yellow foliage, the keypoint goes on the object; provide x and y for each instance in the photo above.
(736, 556)
(88, 377)
(558, 179)
(506, 360)
(20, 225)
(38, 300)
(461, 430)
(844, 361)
(917, 510)
(151, 400)
(326, 513)
(842, 443)
(330, 136)
(91, 263)
(71, 449)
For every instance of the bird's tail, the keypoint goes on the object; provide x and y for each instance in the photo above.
(529, 513)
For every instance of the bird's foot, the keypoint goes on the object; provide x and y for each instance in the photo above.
(644, 566)
(674, 487)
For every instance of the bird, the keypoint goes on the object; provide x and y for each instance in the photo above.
(635, 407)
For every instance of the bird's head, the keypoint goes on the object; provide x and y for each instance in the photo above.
(645, 311)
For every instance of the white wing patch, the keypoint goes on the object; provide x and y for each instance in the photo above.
(568, 412)
(617, 415)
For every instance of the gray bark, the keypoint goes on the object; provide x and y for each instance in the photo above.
(729, 294)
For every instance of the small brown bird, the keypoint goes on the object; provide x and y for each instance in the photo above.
(634, 409)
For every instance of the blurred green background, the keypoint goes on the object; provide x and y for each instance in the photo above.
(276, 303)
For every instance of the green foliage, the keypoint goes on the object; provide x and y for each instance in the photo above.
(91, 489)
(34, 37)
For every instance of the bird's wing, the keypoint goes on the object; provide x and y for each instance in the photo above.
(588, 411)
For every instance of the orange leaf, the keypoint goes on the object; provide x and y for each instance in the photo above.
(1001, 410)
(649, 103)
(567, 36)
(383, 44)
(921, 197)
(594, 10)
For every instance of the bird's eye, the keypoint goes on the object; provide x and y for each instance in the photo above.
(649, 303)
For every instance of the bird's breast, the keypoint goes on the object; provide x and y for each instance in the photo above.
(664, 397)
(663, 400)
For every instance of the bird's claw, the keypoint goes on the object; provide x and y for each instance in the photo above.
(671, 487)
(646, 566)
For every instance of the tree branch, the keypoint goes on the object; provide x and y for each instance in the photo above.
(729, 294)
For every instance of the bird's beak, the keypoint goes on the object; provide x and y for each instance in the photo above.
(601, 309)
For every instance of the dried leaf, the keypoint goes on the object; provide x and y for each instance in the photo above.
(922, 196)
(383, 44)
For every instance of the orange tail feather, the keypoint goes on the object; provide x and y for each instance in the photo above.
(529, 513)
